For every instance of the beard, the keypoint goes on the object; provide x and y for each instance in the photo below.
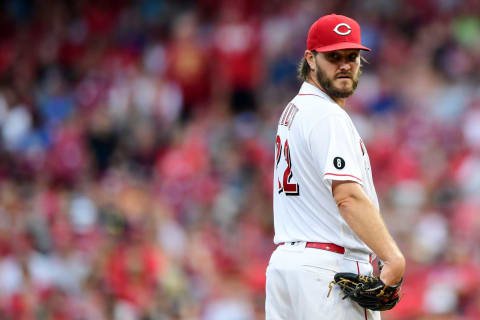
(329, 87)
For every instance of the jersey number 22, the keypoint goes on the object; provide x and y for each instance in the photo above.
(290, 189)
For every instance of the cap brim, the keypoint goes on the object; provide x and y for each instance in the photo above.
(342, 46)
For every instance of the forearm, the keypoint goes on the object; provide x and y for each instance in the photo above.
(365, 220)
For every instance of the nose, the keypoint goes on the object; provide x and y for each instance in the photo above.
(345, 65)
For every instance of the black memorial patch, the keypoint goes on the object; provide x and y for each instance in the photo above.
(339, 163)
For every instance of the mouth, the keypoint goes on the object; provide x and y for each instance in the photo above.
(343, 77)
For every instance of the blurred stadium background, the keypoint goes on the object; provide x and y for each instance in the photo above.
(136, 152)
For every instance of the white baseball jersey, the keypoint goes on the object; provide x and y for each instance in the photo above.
(316, 143)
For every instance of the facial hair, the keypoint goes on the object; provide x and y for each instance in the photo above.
(330, 89)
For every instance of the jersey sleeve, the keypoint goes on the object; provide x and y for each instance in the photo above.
(333, 148)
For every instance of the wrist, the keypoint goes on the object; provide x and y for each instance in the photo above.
(393, 270)
(397, 262)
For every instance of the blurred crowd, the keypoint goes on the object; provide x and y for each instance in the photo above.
(137, 140)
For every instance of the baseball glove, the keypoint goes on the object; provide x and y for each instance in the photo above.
(368, 291)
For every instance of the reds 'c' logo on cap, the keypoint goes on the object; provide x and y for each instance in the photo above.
(334, 32)
(342, 33)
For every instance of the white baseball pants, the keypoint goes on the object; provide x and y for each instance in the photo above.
(298, 281)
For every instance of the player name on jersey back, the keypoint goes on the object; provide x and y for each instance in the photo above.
(288, 115)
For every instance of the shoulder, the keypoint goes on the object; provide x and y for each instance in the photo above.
(315, 108)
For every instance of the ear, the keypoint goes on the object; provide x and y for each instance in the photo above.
(310, 58)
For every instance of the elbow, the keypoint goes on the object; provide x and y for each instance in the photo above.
(347, 195)
(346, 192)
(345, 203)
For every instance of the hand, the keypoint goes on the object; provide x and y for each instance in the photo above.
(392, 271)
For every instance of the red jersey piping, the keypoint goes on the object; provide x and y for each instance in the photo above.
(342, 175)
(310, 94)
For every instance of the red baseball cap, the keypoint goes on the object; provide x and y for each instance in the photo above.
(334, 32)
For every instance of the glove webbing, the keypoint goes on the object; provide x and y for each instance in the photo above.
(356, 287)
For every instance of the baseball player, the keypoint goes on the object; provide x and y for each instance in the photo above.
(326, 212)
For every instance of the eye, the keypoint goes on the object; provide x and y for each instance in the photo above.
(352, 57)
(333, 56)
